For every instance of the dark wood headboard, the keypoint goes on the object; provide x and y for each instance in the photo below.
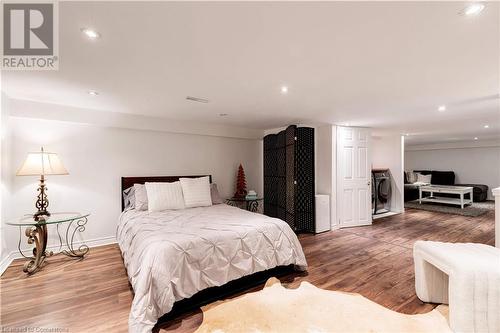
(130, 181)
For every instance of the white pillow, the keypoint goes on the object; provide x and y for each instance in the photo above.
(412, 177)
(196, 191)
(163, 196)
(214, 194)
(423, 178)
(141, 197)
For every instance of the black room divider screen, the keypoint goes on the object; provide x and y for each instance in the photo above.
(289, 177)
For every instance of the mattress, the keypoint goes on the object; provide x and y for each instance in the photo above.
(171, 255)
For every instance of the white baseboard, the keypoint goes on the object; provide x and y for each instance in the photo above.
(334, 227)
(390, 213)
(6, 262)
(55, 247)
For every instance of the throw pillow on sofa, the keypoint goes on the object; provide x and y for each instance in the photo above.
(425, 179)
(412, 177)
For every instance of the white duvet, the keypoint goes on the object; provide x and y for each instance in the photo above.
(172, 255)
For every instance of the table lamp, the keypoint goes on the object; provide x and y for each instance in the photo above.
(41, 164)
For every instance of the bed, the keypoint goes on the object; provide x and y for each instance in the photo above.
(172, 255)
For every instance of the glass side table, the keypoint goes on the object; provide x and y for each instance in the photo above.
(252, 205)
(36, 231)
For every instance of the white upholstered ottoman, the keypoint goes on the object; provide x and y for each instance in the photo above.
(464, 275)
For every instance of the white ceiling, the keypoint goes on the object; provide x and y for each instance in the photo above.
(386, 65)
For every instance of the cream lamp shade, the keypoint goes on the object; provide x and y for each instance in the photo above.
(42, 163)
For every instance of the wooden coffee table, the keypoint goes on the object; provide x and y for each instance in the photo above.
(448, 189)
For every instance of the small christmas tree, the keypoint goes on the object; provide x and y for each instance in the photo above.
(241, 183)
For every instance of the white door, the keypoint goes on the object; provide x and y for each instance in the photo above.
(353, 176)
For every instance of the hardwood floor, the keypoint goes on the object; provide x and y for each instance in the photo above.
(93, 295)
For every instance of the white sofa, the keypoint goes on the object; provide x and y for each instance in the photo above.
(464, 275)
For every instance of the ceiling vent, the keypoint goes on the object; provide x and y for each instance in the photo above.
(196, 99)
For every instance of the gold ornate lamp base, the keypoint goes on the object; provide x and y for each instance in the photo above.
(42, 202)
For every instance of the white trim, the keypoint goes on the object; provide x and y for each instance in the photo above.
(333, 204)
(387, 214)
(454, 145)
(496, 194)
(402, 196)
(5, 263)
(335, 226)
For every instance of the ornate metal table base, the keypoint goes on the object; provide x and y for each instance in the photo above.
(71, 251)
(37, 235)
(252, 205)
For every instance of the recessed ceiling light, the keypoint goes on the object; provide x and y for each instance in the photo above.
(92, 93)
(473, 9)
(486, 126)
(284, 89)
(407, 134)
(223, 114)
(442, 108)
(90, 33)
(475, 138)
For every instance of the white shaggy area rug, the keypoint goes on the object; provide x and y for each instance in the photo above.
(313, 310)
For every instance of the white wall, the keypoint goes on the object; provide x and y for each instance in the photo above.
(388, 152)
(324, 160)
(5, 184)
(325, 167)
(47, 111)
(96, 157)
(473, 165)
